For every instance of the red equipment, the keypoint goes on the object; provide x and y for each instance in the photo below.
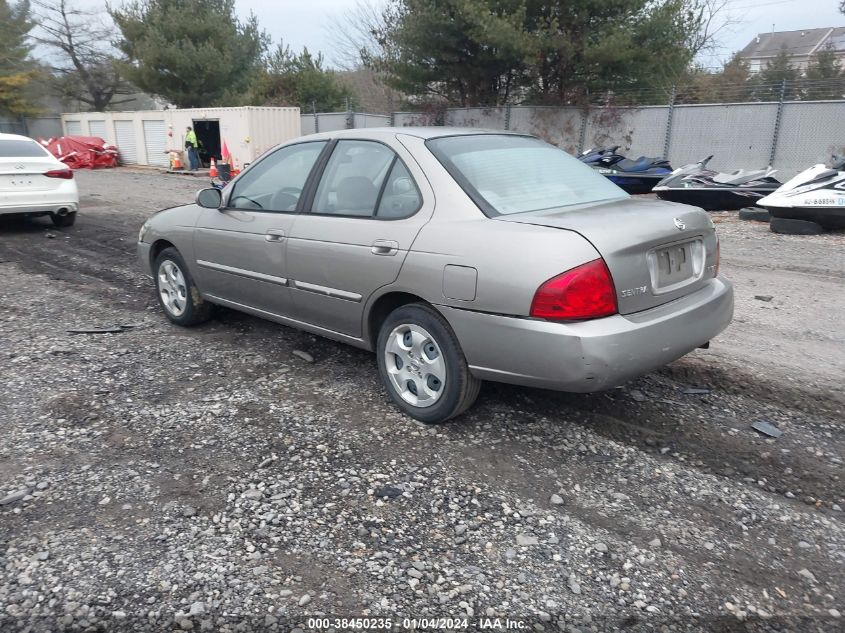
(79, 152)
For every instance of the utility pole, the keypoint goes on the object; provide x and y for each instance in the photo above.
(667, 143)
(585, 117)
(350, 116)
(778, 116)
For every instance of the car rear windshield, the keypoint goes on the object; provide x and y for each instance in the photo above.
(507, 174)
(15, 148)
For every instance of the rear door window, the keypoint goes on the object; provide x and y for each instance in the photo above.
(353, 178)
(366, 179)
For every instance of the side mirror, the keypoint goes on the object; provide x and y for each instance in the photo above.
(209, 198)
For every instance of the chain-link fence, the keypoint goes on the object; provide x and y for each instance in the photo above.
(34, 127)
(788, 135)
(12, 126)
(333, 121)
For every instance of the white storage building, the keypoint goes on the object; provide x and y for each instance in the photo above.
(145, 137)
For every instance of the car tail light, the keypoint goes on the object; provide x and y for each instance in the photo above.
(65, 174)
(585, 292)
(718, 257)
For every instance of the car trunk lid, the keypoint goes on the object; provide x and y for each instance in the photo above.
(656, 251)
(27, 174)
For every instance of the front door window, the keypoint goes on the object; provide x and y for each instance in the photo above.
(276, 182)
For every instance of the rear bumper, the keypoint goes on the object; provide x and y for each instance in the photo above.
(38, 209)
(592, 355)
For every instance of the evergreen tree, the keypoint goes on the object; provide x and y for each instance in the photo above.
(194, 53)
(488, 52)
(731, 83)
(299, 80)
(824, 78)
(16, 68)
(462, 52)
(15, 25)
(639, 47)
(778, 75)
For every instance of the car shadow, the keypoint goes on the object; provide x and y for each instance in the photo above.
(16, 225)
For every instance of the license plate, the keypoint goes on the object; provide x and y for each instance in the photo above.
(675, 265)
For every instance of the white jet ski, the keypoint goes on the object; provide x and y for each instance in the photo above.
(815, 195)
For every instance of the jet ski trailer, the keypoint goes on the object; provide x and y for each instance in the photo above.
(698, 186)
(815, 195)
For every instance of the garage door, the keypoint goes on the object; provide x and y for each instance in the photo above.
(74, 128)
(98, 129)
(155, 141)
(124, 132)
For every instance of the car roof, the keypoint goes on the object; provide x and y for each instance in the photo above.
(15, 137)
(419, 131)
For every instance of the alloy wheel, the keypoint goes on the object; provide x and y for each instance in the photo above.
(172, 288)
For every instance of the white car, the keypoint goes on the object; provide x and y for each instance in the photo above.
(33, 182)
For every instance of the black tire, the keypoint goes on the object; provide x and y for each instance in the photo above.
(195, 309)
(788, 226)
(62, 221)
(755, 214)
(460, 387)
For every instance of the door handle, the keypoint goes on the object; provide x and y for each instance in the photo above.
(385, 247)
(274, 235)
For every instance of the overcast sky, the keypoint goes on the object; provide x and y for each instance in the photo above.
(303, 22)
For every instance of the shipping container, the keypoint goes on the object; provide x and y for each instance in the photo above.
(245, 132)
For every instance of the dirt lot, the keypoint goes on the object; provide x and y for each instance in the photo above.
(209, 479)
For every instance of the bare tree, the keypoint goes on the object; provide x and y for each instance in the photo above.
(82, 67)
(368, 92)
(356, 35)
(360, 42)
(712, 18)
(707, 21)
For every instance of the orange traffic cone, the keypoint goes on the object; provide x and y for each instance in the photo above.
(212, 170)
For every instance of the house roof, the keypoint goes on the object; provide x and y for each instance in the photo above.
(796, 43)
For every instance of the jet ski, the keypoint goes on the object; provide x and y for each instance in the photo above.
(699, 186)
(634, 176)
(816, 194)
(604, 157)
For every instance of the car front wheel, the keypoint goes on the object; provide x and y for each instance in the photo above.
(422, 366)
(177, 294)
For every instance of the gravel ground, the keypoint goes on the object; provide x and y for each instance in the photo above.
(167, 479)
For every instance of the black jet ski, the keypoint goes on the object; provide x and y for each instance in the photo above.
(601, 156)
(634, 176)
(717, 191)
(816, 194)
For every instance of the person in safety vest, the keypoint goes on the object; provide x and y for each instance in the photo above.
(191, 145)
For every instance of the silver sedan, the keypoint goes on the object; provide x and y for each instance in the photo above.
(456, 255)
